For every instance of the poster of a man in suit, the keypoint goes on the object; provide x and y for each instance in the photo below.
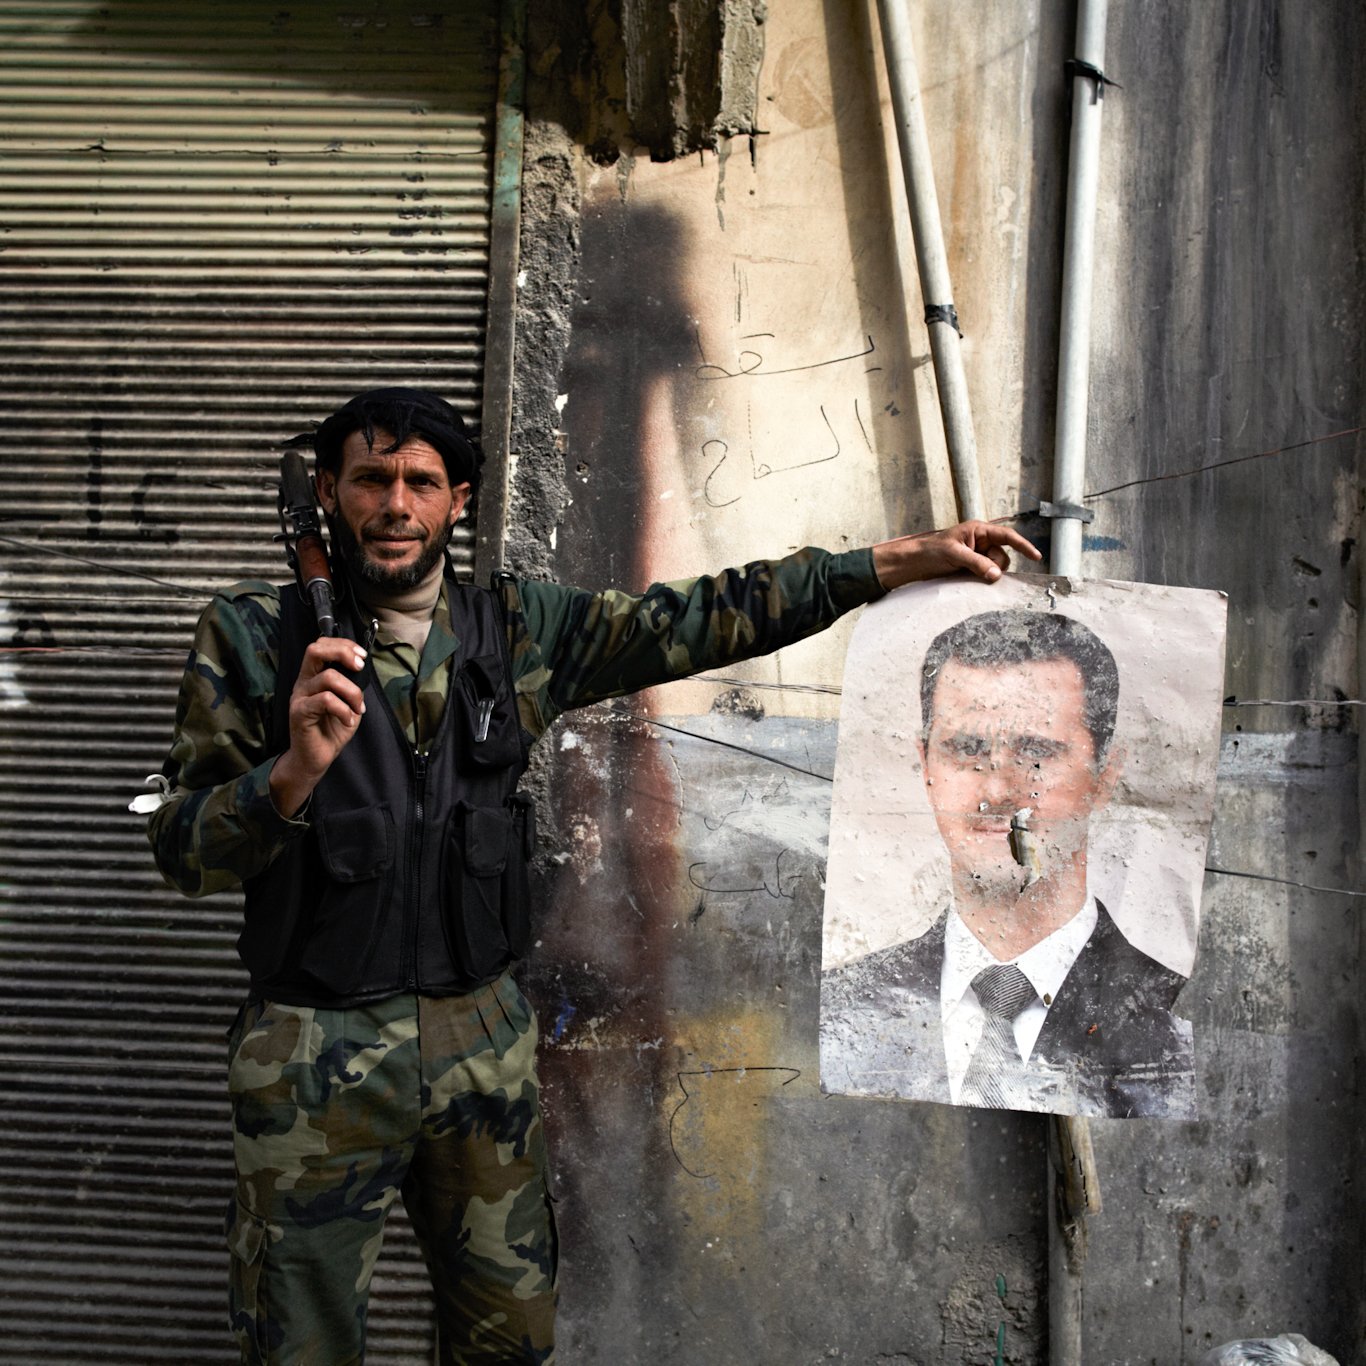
(1023, 797)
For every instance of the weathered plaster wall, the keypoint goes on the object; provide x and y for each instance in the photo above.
(1229, 323)
(720, 359)
(667, 76)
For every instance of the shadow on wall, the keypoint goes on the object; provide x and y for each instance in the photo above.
(409, 50)
(896, 432)
(600, 978)
(631, 334)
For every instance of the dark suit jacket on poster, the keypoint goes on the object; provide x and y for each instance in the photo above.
(1110, 1044)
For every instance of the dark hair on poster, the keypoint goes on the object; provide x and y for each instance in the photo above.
(1000, 640)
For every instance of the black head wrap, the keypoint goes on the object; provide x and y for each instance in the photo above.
(403, 413)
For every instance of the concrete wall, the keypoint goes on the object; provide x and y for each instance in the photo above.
(720, 358)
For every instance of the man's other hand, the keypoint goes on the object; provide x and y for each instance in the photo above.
(980, 547)
(325, 709)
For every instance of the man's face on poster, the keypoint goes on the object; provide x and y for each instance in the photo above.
(1004, 740)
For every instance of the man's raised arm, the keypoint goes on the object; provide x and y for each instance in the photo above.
(573, 647)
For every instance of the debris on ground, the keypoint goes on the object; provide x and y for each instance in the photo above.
(1290, 1349)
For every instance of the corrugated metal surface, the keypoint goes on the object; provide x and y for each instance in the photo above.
(216, 223)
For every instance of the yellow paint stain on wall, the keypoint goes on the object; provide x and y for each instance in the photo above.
(732, 1068)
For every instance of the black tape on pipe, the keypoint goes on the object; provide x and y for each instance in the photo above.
(942, 313)
(1074, 66)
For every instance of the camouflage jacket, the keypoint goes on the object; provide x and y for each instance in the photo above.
(570, 648)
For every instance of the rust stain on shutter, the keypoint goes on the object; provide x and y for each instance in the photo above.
(216, 224)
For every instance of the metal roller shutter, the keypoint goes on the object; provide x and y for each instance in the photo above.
(216, 223)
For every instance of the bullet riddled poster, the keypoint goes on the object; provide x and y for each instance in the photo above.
(1023, 795)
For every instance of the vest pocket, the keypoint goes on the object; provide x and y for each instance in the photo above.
(357, 852)
(485, 877)
(486, 723)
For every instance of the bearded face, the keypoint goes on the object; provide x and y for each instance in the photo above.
(391, 512)
(362, 551)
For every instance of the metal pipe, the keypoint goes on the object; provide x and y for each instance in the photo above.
(505, 228)
(914, 142)
(1078, 269)
(1073, 1193)
(1078, 1192)
(1064, 1284)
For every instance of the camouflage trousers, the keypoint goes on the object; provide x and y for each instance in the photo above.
(337, 1111)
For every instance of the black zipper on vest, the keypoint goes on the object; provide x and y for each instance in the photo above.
(415, 864)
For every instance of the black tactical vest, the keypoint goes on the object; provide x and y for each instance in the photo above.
(412, 874)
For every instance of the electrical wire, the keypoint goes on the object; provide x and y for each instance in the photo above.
(1299, 702)
(1219, 464)
(776, 687)
(98, 564)
(135, 651)
(711, 739)
(1284, 881)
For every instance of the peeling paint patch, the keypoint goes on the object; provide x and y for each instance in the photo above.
(722, 156)
(975, 1308)
(12, 695)
(1296, 758)
(586, 853)
(562, 1019)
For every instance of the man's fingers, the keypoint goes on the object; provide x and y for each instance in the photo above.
(317, 699)
(321, 726)
(984, 566)
(993, 534)
(317, 706)
(980, 547)
(330, 681)
(985, 546)
(333, 706)
(958, 553)
(330, 650)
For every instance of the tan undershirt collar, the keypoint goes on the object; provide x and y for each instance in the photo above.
(407, 615)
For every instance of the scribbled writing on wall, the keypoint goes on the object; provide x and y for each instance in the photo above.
(833, 422)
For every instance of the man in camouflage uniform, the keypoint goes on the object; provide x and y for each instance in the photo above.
(343, 1097)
